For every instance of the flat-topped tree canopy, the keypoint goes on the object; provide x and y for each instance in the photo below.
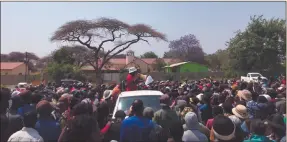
(96, 34)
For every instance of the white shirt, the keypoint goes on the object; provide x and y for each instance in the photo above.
(26, 135)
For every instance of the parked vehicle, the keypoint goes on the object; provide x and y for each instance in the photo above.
(150, 98)
(70, 81)
(255, 77)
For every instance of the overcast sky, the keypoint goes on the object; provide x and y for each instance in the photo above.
(27, 26)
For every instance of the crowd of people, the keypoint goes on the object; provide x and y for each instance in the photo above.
(204, 110)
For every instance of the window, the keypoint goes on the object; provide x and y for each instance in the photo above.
(148, 101)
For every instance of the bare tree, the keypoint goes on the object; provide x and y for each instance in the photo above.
(96, 34)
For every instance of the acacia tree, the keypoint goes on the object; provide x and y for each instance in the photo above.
(97, 34)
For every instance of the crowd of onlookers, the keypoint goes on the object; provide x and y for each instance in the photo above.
(192, 111)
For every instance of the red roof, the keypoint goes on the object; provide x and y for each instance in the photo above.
(88, 68)
(10, 65)
(147, 60)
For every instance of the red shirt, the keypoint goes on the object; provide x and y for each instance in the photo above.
(131, 86)
(284, 81)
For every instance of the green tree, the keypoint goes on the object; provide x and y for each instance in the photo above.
(63, 56)
(261, 47)
(149, 54)
(62, 71)
(158, 64)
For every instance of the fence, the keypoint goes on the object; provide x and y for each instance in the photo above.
(15, 79)
(117, 77)
(113, 77)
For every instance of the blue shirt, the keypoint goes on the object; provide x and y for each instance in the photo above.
(49, 129)
(26, 108)
(136, 129)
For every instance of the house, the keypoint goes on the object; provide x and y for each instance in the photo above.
(183, 67)
(144, 64)
(13, 68)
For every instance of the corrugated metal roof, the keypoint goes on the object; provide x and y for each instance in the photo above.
(176, 64)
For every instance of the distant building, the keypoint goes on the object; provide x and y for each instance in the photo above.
(185, 67)
(13, 68)
(144, 64)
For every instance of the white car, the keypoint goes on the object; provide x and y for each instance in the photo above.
(150, 98)
(252, 77)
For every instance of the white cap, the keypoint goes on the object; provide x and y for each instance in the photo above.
(132, 69)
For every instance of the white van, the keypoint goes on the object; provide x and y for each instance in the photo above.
(150, 98)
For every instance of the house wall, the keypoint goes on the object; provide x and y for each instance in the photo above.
(192, 67)
(6, 72)
(16, 71)
(20, 69)
(144, 67)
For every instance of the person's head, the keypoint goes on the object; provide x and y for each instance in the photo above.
(44, 109)
(82, 108)
(240, 111)
(148, 113)
(223, 128)
(254, 96)
(280, 96)
(258, 127)
(164, 100)
(181, 104)
(261, 111)
(73, 102)
(217, 110)
(262, 99)
(137, 107)
(120, 115)
(214, 100)
(244, 95)
(63, 103)
(133, 71)
(16, 102)
(227, 107)
(36, 97)
(26, 96)
(5, 97)
(276, 123)
(191, 120)
(82, 128)
(281, 109)
(222, 97)
(30, 119)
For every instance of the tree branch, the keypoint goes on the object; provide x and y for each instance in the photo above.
(105, 60)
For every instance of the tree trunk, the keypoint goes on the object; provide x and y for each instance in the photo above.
(99, 78)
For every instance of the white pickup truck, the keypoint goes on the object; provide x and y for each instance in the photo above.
(252, 77)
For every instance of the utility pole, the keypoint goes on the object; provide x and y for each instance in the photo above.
(26, 65)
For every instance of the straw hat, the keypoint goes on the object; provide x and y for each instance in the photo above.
(244, 94)
(240, 111)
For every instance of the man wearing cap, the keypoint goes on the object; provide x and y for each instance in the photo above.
(131, 84)
(165, 117)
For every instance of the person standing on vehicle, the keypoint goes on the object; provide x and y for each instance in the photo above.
(131, 83)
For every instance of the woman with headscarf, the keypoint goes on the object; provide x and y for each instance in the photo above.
(192, 133)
